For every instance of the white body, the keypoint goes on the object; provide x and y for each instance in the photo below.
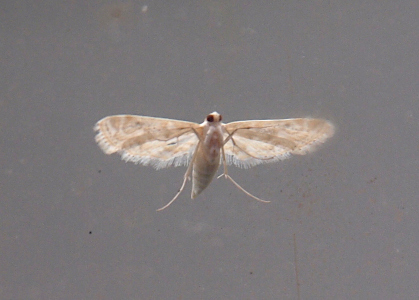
(208, 155)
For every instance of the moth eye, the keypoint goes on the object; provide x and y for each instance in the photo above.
(221, 118)
(210, 118)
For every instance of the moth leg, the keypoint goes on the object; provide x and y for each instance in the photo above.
(230, 137)
(235, 183)
(200, 138)
(185, 178)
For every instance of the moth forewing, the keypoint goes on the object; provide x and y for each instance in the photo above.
(151, 141)
(265, 141)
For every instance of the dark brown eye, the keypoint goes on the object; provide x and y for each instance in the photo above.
(210, 118)
(221, 118)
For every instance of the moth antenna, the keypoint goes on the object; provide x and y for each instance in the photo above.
(244, 191)
(185, 178)
(234, 182)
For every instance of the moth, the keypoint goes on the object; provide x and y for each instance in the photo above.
(163, 143)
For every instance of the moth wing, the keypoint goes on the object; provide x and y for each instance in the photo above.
(151, 141)
(265, 141)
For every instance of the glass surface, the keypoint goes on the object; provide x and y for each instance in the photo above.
(78, 224)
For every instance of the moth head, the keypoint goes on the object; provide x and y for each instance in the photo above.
(214, 117)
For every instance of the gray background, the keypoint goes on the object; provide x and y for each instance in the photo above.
(78, 224)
